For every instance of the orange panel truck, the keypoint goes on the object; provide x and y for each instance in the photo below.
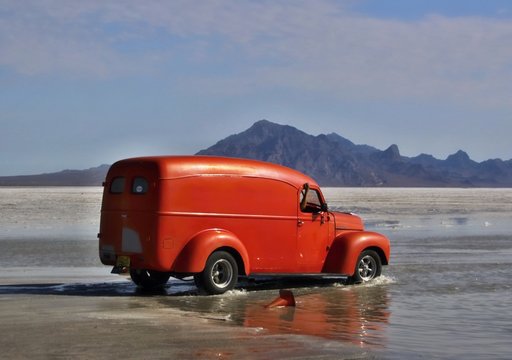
(218, 218)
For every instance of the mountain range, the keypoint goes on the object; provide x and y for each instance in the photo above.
(331, 160)
(89, 177)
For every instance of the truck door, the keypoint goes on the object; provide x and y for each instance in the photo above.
(312, 230)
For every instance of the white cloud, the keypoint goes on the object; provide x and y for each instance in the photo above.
(302, 45)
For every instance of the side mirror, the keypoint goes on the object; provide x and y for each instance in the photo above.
(324, 207)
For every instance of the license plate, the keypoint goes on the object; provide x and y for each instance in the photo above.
(123, 261)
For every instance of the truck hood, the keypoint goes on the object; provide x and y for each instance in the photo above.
(347, 221)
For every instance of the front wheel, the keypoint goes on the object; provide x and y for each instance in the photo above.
(219, 275)
(149, 279)
(368, 267)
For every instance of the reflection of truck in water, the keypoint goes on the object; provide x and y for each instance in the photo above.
(219, 218)
(359, 315)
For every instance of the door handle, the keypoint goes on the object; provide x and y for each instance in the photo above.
(300, 223)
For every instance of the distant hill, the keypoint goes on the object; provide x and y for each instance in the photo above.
(330, 159)
(335, 161)
(90, 177)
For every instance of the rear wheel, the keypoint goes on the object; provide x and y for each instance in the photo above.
(149, 279)
(219, 275)
(368, 267)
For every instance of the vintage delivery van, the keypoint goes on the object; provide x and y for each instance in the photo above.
(220, 218)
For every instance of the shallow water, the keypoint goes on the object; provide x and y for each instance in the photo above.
(447, 292)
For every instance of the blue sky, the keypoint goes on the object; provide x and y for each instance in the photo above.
(88, 82)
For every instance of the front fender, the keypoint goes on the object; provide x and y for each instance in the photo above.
(193, 256)
(345, 250)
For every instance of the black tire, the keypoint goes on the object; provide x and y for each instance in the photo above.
(220, 274)
(149, 279)
(368, 267)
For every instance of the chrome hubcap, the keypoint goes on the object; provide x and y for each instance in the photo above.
(222, 273)
(367, 268)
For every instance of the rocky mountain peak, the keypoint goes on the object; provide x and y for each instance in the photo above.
(460, 159)
(392, 153)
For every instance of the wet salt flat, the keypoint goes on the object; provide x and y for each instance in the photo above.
(447, 292)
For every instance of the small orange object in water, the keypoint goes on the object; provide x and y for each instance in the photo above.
(285, 298)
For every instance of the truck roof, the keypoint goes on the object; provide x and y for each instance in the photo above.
(171, 167)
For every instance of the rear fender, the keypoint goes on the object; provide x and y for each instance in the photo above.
(345, 250)
(192, 258)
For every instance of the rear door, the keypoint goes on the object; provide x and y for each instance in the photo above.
(130, 201)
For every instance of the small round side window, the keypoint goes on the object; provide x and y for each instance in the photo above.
(140, 186)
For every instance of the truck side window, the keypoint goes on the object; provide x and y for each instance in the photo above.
(117, 185)
(140, 185)
(313, 202)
